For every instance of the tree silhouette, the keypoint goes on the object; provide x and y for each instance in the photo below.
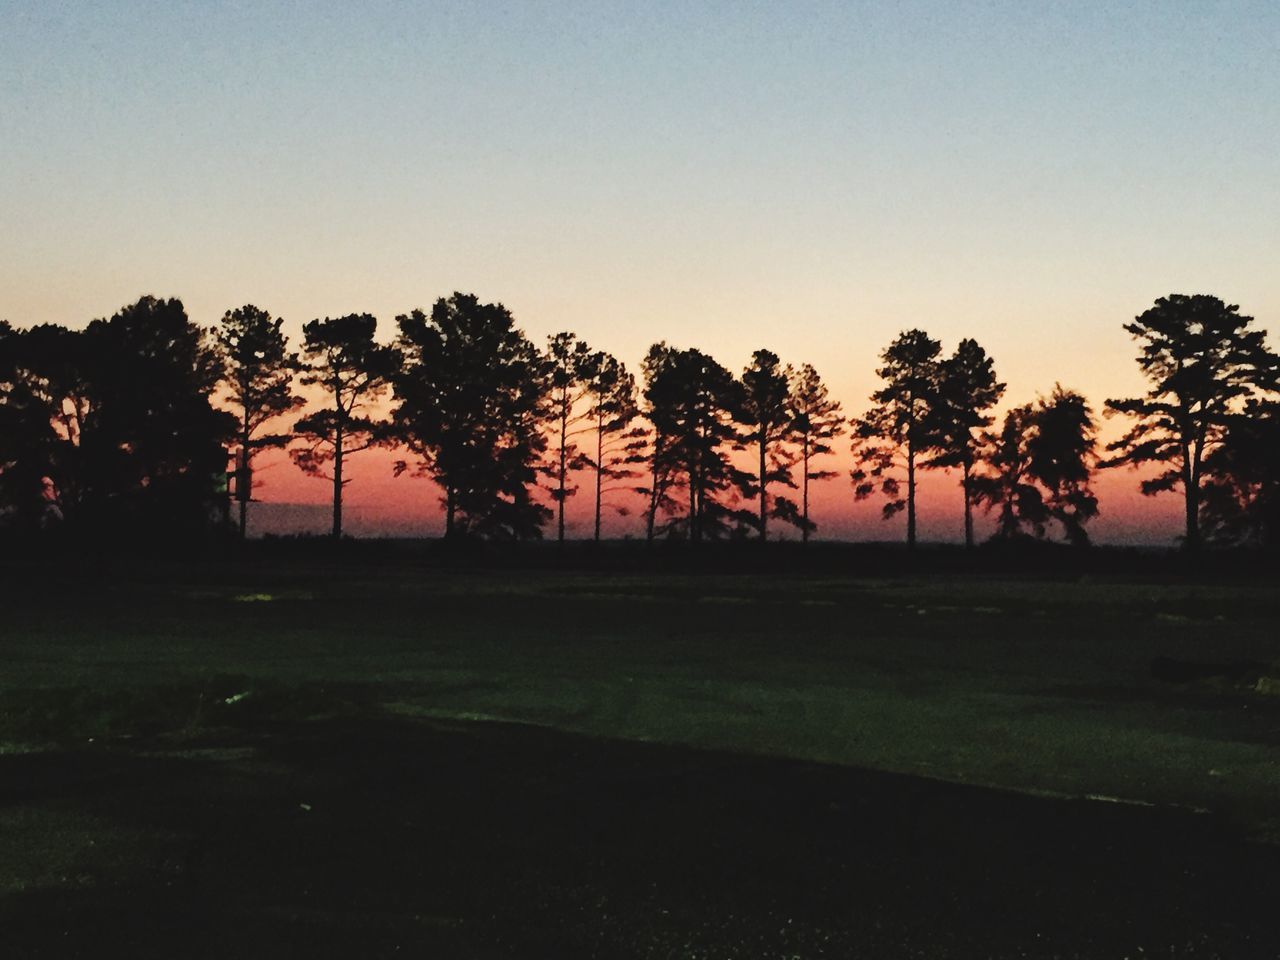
(27, 437)
(54, 366)
(967, 389)
(619, 444)
(472, 399)
(769, 427)
(692, 402)
(900, 427)
(660, 409)
(1037, 468)
(1063, 453)
(1005, 482)
(570, 366)
(816, 420)
(1241, 503)
(259, 380)
(1203, 362)
(157, 458)
(341, 356)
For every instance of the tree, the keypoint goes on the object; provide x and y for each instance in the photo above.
(1005, 482)
(692, 402)
(816, 420)
(472, 400)
(27, 436)
(900, 427)
(660, 396)
(967, 389)
(1203, 362)
(341, 356)
(764, 412)
(612, 411)
(1241, 503)
(153, 448)
(570, 364)
(1038, 468)
(53, 366)
(1062, 450)
(260, 371)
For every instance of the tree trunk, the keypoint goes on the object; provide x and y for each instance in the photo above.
(564, 427)
(599, 468)
(1192, 540)
(911, 497)
(804, 494)
(337, 486)
(968, 510)
(653, 495)
(448, 512)
(763, 514)
(244, 481)
(1191, 497)
(693, 509)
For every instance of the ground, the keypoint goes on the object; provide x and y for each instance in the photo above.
(267, 760)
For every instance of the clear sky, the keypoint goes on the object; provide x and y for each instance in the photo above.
(809, 177)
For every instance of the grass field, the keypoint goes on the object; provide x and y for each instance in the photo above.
(1042, 688)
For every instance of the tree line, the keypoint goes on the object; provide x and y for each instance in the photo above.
(147, 425)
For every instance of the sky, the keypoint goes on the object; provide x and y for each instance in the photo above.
(807, 177)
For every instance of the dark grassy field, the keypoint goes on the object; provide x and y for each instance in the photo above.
(321, 760)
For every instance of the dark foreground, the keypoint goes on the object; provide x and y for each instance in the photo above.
(369, 837)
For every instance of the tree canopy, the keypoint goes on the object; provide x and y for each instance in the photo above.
(472, 398)
(259, 383)
(342, 357)
(1203, 362)
(967, 389)
(692, 402)
(890, 439)
(816, 420)
(768, 429)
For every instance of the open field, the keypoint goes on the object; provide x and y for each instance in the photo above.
(170, 739)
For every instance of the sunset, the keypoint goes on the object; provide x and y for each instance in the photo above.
(808, 180)
(671, 480)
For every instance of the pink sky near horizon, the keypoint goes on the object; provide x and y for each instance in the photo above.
(377, 503)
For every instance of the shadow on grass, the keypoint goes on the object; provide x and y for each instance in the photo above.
(365, 836)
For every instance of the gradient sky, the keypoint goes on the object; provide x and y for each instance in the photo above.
(809, 177)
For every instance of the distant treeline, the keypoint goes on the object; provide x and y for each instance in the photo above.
(147, 426)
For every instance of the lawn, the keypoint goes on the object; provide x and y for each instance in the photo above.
(1040, 689)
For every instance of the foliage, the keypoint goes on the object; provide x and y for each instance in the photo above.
(769, 428)
(1037, 469)
(619, 442)
(900, 427)
(1203, 362)
(816, 420)
(152, 454)
(1241, 503)
(341, 356)
(259, 380)
(967, 388)
(471, 400)
(27, 436)
(692, 402)
(570, 367)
